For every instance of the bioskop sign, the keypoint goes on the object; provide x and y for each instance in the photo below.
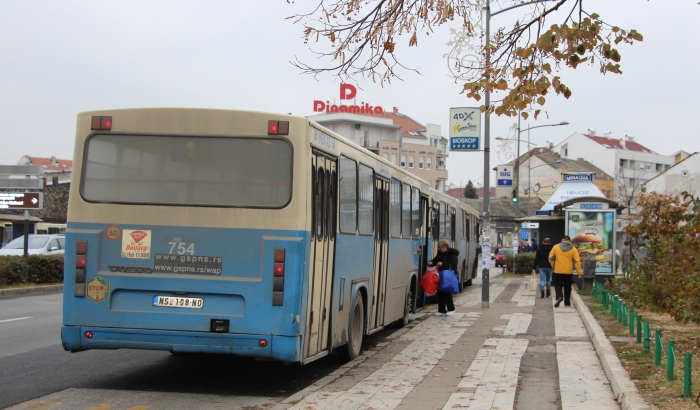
(347, 92)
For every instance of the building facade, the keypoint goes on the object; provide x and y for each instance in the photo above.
(628, 162)
(682, 177)
(420, 149)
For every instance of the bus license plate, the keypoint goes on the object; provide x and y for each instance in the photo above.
(173, 301)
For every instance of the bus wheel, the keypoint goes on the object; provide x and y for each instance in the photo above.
(356, 330)
(469, 282)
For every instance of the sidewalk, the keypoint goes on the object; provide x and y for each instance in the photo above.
(520, 353)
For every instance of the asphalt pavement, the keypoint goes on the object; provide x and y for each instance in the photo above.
(519, 353)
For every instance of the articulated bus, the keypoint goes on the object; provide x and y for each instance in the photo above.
(255, 234)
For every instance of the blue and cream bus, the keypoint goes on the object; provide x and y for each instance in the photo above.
(255, 234)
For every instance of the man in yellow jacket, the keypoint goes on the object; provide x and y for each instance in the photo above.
(564, 259)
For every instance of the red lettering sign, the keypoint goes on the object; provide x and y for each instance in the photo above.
(347, 92)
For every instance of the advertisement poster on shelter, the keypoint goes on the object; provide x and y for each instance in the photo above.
(593, 234)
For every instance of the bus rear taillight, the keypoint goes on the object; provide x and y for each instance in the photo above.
(80, 266)
(277, 127)
(101, 123)
(278, 278)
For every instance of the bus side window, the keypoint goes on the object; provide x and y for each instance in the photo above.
(416, 213)
(406, 211)
(347, 191)
(321, 187)
(395, 200)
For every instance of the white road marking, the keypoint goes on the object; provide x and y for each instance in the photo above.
(524, 297)
(582, 381)
(492, 378)
(518, 323)
(17, 318)
(567, 322)
(392, 382)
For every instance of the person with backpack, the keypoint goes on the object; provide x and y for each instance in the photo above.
(564, 259)
(545, 269)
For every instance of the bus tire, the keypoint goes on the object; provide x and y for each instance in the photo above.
(469, 282)
(356, 329)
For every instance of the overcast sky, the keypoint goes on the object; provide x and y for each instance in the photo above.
(61, 58)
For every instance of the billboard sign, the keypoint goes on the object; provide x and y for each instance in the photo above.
(465, 129)
(592, 232)
(505, 175)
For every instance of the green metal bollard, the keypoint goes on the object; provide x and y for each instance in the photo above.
(646, 337)
(687, 382)
(657, 348)
(671, 360)
(614, 307)
(639, 329)
(632, 321)
(624, 314)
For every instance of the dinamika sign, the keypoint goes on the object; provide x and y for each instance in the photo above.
(347, 92)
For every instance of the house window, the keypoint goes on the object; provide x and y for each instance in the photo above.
(648, 168)
(411, 159)
(659, 167)
(403, 161)
(565, 150)
(385, 155)
(393, 159)
(624, 163)
(420, 162)
(429, 164)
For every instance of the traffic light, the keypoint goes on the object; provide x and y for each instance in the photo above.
(515, 196)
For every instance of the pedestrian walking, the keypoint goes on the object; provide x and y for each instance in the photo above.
(625, 258)
(545, 269)
(564, 258)
(446, 259)
(534, 247)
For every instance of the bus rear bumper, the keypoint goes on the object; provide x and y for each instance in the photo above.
(283, 348)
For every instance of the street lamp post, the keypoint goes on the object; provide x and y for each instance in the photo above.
(517, 166)
(487, 141)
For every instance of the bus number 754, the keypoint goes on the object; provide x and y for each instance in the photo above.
(182, 248)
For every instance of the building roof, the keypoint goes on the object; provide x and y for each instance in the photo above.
(504, 208)
(677, 163)
(51, 164)
(410, 128)
(614, 143)
(565, 164)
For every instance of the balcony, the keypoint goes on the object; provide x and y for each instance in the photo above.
(442, 152)
(371, 145)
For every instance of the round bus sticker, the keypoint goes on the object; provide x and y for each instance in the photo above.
(98, 289)
(113, 232)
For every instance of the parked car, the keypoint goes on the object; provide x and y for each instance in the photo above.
(501, 257)
(38, 245)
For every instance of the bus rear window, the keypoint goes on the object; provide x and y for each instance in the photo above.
(188, 171)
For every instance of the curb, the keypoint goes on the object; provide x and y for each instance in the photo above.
(31, 290)
(623, 387)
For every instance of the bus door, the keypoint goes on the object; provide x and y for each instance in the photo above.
(381, 251)
(324, 205)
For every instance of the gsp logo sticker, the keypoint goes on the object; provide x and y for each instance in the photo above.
(136, 244)
(98, 289)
